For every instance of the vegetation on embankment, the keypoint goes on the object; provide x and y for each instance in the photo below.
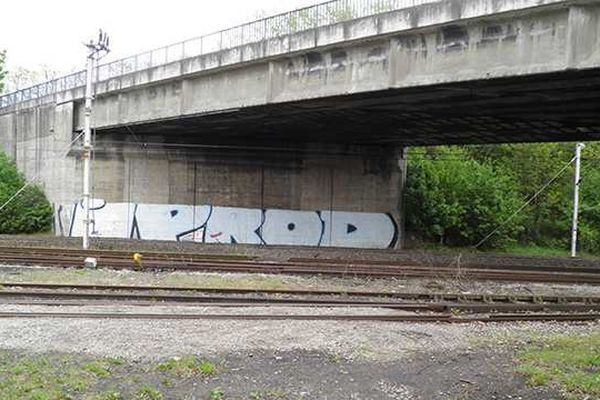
(457, 195)
(28, 212)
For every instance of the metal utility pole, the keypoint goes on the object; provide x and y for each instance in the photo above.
(577, 181)
(95, 51)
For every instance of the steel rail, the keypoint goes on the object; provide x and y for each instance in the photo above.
(459, 308)
(510, 317)
(153, 256)
(58, 297)
(176, 259)
(66, 258)
(414, 296)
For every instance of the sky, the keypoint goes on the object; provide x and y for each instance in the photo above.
(50, 34)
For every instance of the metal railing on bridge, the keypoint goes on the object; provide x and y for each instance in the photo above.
(291, 22)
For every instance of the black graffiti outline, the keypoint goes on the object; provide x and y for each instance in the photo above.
(322, 228)
(135, 227)
(203, 227)
(396, 235)
(58, 219)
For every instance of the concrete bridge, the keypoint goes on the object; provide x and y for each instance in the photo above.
(308, 112)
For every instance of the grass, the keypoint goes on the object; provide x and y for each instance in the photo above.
(42, 378)
(514, 249)
(70, 377)
(188, 366)
(572, 362)
(98, 368)
(108, 277)
(111, 395)
(148, 392)
(270, 394)
(216, 394)
(533, 250)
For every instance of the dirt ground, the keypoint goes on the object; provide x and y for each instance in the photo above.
(294, 375)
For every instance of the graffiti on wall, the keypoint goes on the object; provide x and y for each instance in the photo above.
(212, 224)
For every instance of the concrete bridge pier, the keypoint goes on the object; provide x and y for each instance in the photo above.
(170, 187)
(294, 194)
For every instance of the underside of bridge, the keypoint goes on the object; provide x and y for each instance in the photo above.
(561, 106)
(300, 140)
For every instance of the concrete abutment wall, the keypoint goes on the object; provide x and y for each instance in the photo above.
(299, 197)
(308, 194)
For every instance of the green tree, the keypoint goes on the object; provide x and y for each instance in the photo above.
(454, 199)
(30, 211)
(532, 166)
(441, 184)
(547, 220)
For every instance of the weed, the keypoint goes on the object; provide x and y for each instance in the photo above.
(115, 360)
(148, 392)
(98, 368)
(456, 312)
(335, 358)
(271, 394)
(207, 368)
(188, 366)
(106, 396)
(276, 393)
(216, 394)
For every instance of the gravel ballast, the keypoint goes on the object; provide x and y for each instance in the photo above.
(157, 339)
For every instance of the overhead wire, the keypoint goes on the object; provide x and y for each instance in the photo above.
(529, 201)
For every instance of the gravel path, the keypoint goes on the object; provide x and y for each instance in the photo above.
(144, 339)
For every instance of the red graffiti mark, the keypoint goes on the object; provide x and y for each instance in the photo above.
(216, 235)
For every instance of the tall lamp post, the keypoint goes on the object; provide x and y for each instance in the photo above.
(96, 50)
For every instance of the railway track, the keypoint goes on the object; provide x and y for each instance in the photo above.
(183, 292)
(66, 258)
(424, 307)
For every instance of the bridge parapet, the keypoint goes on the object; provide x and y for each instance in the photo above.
(322, 25)
(274, 27)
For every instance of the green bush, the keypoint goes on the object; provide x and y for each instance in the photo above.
(455, 194)
(29, 212)
(546, 220)
(454, 199)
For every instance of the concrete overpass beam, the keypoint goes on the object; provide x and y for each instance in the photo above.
(583, 36)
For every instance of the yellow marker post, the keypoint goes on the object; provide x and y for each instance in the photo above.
(137, 260)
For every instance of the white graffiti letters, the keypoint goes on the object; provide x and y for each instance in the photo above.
(209, 224)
